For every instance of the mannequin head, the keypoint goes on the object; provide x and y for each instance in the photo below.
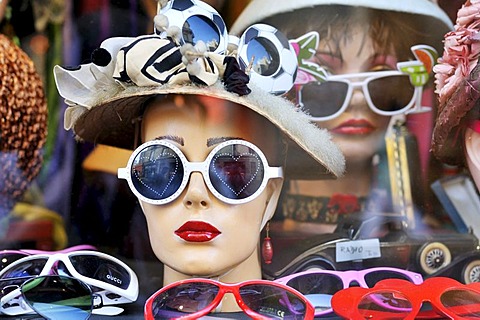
(456, 133)
(353, 39)
(196, 124)
(188, 106)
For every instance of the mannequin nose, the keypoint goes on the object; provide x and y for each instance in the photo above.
(197, 195)
(358, 100)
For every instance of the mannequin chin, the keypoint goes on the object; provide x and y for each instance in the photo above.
(472, 154)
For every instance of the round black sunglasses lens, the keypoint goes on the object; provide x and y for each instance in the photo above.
(157, 172)
(236, 171)
(264, 55)
(58, 297)
(273, 301)
(391, 93)
(183, 299)
(323, 99)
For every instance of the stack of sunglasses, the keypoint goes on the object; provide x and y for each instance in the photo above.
(80, 282)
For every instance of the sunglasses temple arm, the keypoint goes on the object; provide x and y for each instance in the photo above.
(14, 297)
(122, 173)
(275, 172)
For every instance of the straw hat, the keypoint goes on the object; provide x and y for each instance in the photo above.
(259, 10)
(23, 111)
(106, 96)
(457, 82)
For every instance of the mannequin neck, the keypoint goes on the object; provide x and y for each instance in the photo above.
(249, 269)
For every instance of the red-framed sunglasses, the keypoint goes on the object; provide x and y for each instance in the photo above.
(197, 297)
(400, 299)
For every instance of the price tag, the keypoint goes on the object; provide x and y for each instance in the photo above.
(358, 250)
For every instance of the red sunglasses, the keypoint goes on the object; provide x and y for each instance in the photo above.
(259, 299)
(400, 299)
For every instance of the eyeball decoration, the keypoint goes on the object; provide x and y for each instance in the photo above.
(270, 57)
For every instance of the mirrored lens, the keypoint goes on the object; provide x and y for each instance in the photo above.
(384, 305)
(157, 172)
(7, 258)
(266, 60)
(236, 171)
(323, 99)
(373, 277)
(101, 269)
(200, 28)
(57, 297)
(29, 268)
(318, 288)
(273, 302)
(183, 299)
(463, 303)
(392, 93)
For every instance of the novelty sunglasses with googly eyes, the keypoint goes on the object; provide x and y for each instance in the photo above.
(235, 171)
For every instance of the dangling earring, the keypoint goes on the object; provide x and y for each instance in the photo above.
(267, 248)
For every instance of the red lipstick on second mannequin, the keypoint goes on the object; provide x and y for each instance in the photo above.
(197, 231)
(354, 127)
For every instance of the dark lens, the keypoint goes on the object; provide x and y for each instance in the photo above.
(200, 28)
(272, 301)
(236, 171)
(183, 299)
(101, 269)
(372, 278)
(58, 297)
(464, 303)
(29, 268)
(264, 55)
(318, 288)
(157, 172)
(7, 258)
(384, 305)
(323, 99)
(391, 93)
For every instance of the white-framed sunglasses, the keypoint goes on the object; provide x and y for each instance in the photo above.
(386, 92)
(235, 171)
(112, 281)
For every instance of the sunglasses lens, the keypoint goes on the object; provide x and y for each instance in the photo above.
(29, 268)
(384, 305)
(317, 288)
(392, 93)
(236, 171)
(8, 258)
(462, 303)
(55, 297)
(101, 269)
(323, 99)
(183, 299)
(205, 30)
(264, 55)
(373, 277)
(273, 301)
(157, 172)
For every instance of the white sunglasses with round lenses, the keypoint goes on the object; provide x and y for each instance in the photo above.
(235, 172)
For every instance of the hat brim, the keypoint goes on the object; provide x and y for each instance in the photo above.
(259, 10)
(311, 154)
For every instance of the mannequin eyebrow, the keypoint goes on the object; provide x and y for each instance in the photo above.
(173, 138)
(217, 140)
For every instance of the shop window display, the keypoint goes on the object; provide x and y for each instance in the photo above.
(104, 210)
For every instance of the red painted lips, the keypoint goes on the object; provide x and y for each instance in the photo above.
(354, 127)
(197, 231)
